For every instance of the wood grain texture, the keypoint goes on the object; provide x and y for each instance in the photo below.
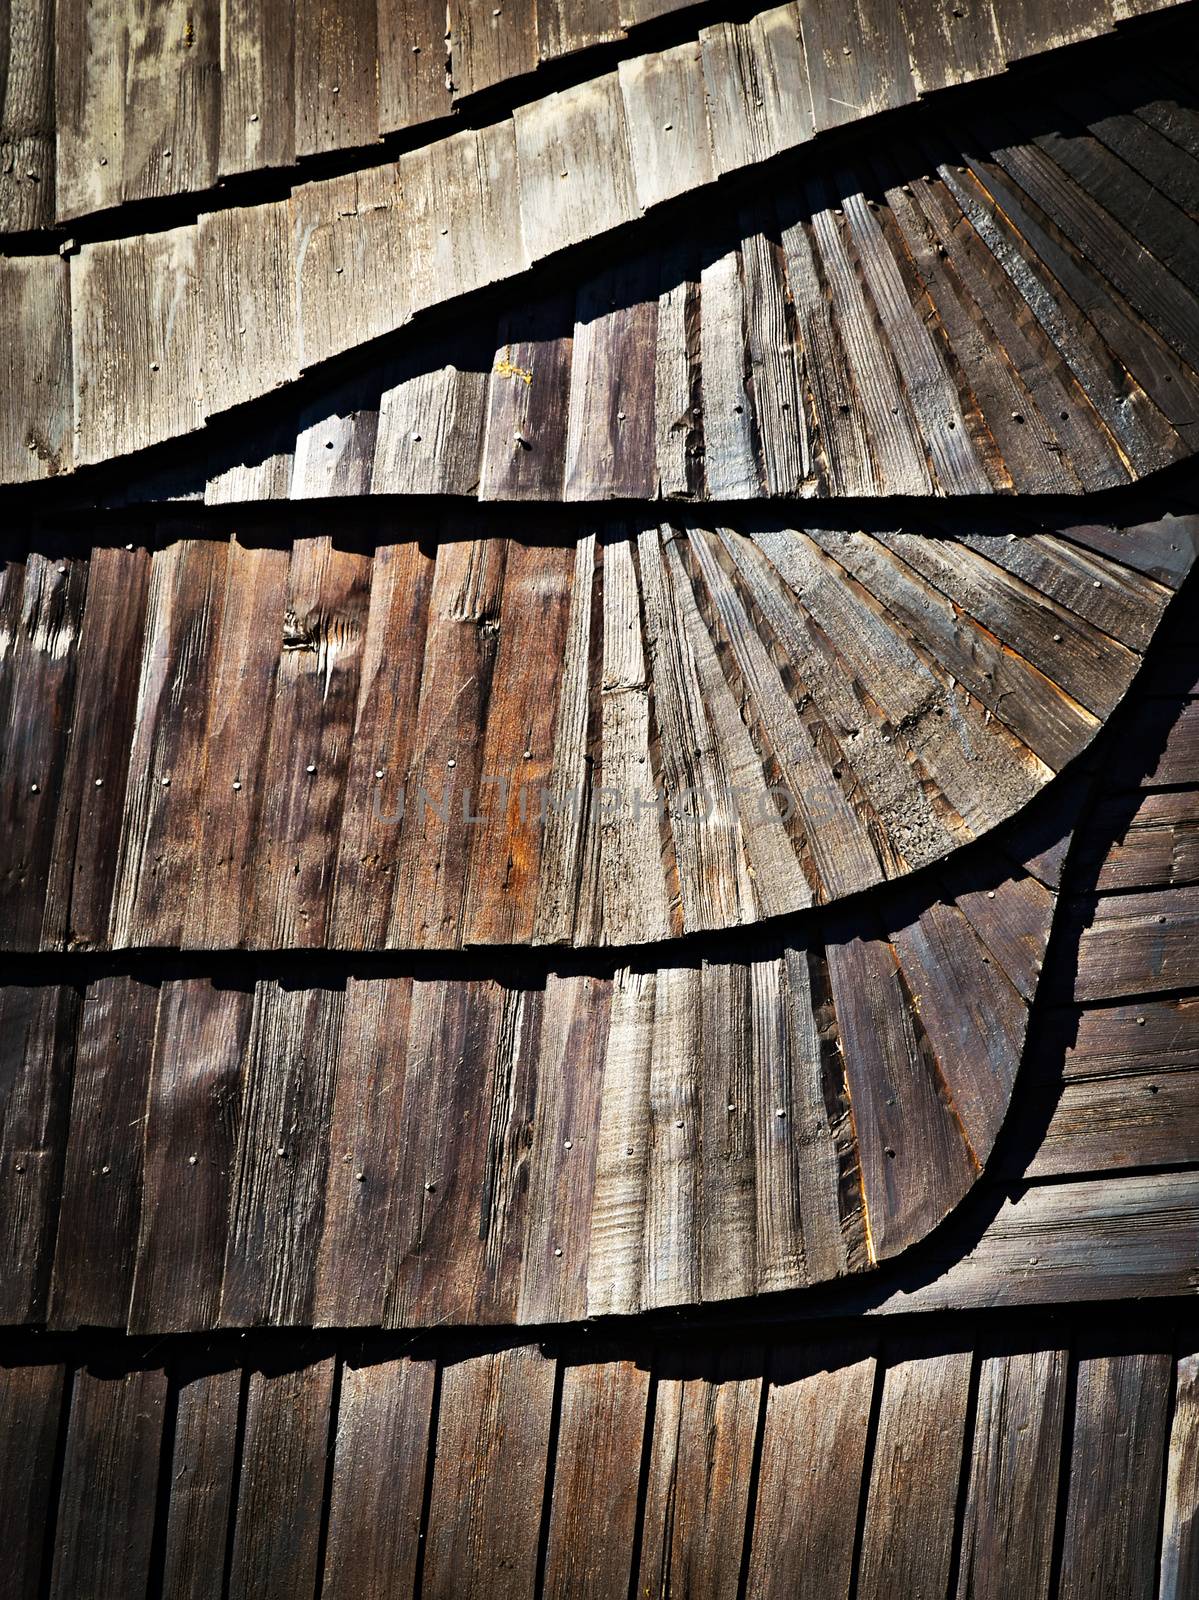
(912, 1501)
(202, 1467)
(109, 1482)
(596, 1474)
(27, 118)
(818, 1403)
(370, 761)
(974, 333)
(37, 433)
(149, 108)
(489, 1474)
(283, 1460)
(384, 1414)
(1179, 1554)
(705, 1423)
(1109, 1544)
(95, 1259)
(1007, 1532)
(33, 1398)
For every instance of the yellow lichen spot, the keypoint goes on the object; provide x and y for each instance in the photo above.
(507, 368)
(189, 34)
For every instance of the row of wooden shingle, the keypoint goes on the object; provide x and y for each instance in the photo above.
(227, 744)
(99, 106)
(1060, 1465)
(1061, 272)
(798, 358)
(183, 1153)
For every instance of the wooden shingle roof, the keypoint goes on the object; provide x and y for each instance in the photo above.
(599, 759)
(1002, 300)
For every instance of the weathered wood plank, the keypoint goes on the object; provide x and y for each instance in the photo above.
(1164, 549)
(375, 796)
(500, 894)
(91, 806)
(202, 1481)
(37, 1046)
(277, 1182)
(1120, 1424)
(1142, 841)
(524, 446)
(257, 117)
(1123, 603)
(1139, 944)
(772, 864)
(336, 75)
(730, 456)
(137, 104)
(307, 755)
(610, 434)
(564, 1150)
(1180, 1531)
(896, 680)
(833, 838)
(714, 883)
(1070, 652)
(910, 1510)
(95, 1252)
(365, 1137)
(223, 811)
(1013, 919)
(954, 45)
(247, 276)
(414, 60)
(31, 1398)
(1107, 1238)
(39, 654)
(1008, 1525)
(857, 61)
(490, 44)
(335, 444)
(809, 1483)
(597, 1468)
(109, 1485)
(167, 751)
(1069, 419)
(1149, 1036)
(675, 1241)
(705, 1423)
(916, 1162)
(429, 431)
(615, 1262)
(383, 1416)
(1053, 725)
(349, 226)
(37, 428)
(566, 896)
(27, 118)
(973, 1019)
(576, 171)
(444, 759)
(1177, 759)
(1134, 1120)
(282, 1464)
(463, 1083)
(137, 342)
(1024, 449)
(929, 390)
(191, 1130)
(633, 886)
(489, 1474)
(667, 120)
